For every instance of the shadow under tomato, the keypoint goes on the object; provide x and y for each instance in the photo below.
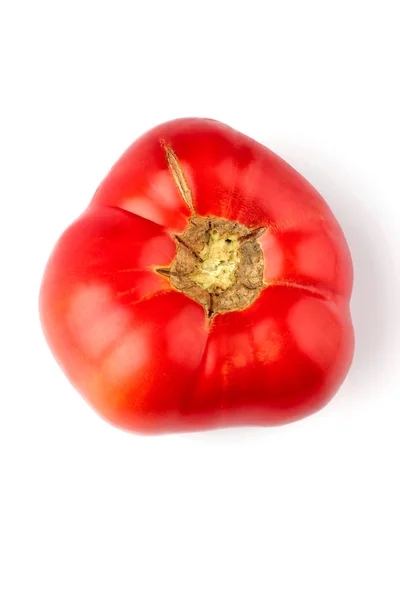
(231, 435)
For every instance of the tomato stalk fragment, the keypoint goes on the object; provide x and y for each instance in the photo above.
(218, 263)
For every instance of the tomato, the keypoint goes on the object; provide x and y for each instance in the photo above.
(206, 285)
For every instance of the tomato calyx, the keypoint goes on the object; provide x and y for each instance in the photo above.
(218, 263)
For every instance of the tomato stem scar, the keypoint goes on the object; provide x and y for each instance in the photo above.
(218, 263)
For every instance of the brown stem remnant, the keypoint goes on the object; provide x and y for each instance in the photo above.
(210, 312)
(163, 271)
(179, 177)
(218, 263)
(180, 240)
(214, 267)
(253, 235)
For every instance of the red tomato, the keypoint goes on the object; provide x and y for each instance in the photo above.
(206, 285)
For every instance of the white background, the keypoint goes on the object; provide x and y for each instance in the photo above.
(310, 510)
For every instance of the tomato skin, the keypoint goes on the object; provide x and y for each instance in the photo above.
(146, 356)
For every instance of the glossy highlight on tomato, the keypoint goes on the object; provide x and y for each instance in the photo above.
(206, 285)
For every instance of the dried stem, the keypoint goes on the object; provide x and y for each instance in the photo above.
(253, 235)
(181, 241)
(210, 312)
(165, 272)
(179, 177)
